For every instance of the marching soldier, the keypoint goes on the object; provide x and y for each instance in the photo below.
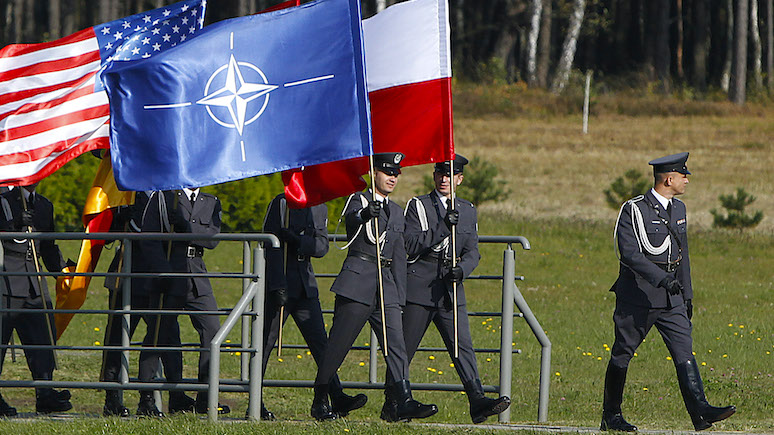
(30, 292)
(429, 283)
(185, 211)
(290, 283)
(357, 290)
(654, 289)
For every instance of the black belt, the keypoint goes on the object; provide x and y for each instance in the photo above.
(386, 262)
(668, 267)
(194, 251)
(437, 256)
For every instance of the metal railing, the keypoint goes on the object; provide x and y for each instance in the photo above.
(252, 323)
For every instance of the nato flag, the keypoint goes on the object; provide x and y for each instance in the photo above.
(248, 96)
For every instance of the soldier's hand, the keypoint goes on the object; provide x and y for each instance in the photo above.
(27, 217)
(672, 285)
(452, 218)
(289, 236)
(371, 211)
(689, 308)
(279, 297)
(455, 274)
(123, 214)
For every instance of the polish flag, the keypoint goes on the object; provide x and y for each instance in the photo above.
(408, 76)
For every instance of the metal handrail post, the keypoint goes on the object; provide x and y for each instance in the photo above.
(256, 357)
(506, 329)
(126, 304)
(372, 358)
(244, 358)
(545, 354)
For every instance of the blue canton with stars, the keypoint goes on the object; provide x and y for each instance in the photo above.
(142, 35)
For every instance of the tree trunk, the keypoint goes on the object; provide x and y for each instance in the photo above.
(381, 5)
(544, 45)
(700, 44)
(680, 39)
(755, 35)
(69, 14)
(662, 54)
(54, 19)
(725, 79)
(737, 91)
(562, 74)
(770, 44)
(532, 42)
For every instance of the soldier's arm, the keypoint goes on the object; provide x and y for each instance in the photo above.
(399, 267)
(630, 252)
(419, 241)
(314, 241)
(469, 256)
(52, 256)
(275, 265)
(352, 217)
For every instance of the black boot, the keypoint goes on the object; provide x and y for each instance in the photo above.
(321, 409)
(409, 408)
(113, 405)
(342, 403)
(481, 406)
(201, 405)
(147, 406)
(701, 412)
(390, 407)
(6, 410)
(267, 415)
(612, 418)
(48, 400)
(181, 402)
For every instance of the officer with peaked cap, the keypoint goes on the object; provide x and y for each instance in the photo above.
(357, 290)
(654, 289)
(429, 284)
(290, 283)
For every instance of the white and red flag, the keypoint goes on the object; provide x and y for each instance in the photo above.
(52, 104)
(408, 76)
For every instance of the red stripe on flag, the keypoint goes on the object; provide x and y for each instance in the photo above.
(321, 183)
(32, 107)
(58, 162)
(54, 122)
(19, 49)
(27, 93)
(51, 66)
(413, 119)
(283, 5)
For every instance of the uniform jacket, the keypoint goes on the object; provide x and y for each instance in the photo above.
(428, 245)
(312, 225)
(133, 225)
(15, 251)
(640, 273)
(203, 218)
(358, 278)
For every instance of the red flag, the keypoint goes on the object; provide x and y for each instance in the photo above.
(283, 5)
(407, 50)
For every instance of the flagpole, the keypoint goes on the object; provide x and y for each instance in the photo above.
(169, 257)
(40, 282)
(454, 264)
(285, 224)
(378, 256)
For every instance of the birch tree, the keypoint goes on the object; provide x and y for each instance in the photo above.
(725, 78)
(532, 42)
(755, 36)
(569, 46)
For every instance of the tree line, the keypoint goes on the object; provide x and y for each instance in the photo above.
(721, 44)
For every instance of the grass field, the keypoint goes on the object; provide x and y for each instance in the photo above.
(556, 176)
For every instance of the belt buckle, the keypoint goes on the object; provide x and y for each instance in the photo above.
(301, 258)
(191, 252)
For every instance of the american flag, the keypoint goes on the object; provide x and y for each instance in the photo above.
(53, 106)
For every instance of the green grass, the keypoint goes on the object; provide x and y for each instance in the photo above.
(568, 272)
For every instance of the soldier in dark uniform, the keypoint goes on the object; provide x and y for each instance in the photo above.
(129, 219)
(429, 284)
(295, 287)
(654, 289)
(357, 291)
(30, 291)
(186, 211)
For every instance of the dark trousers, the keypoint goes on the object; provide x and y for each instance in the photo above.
(416, 320)
(112, 358)
(309, 319)
(32, 330)
(632, 324)
(349, 317)
(169, 335)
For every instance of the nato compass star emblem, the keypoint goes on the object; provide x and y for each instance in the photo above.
(241, 99)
